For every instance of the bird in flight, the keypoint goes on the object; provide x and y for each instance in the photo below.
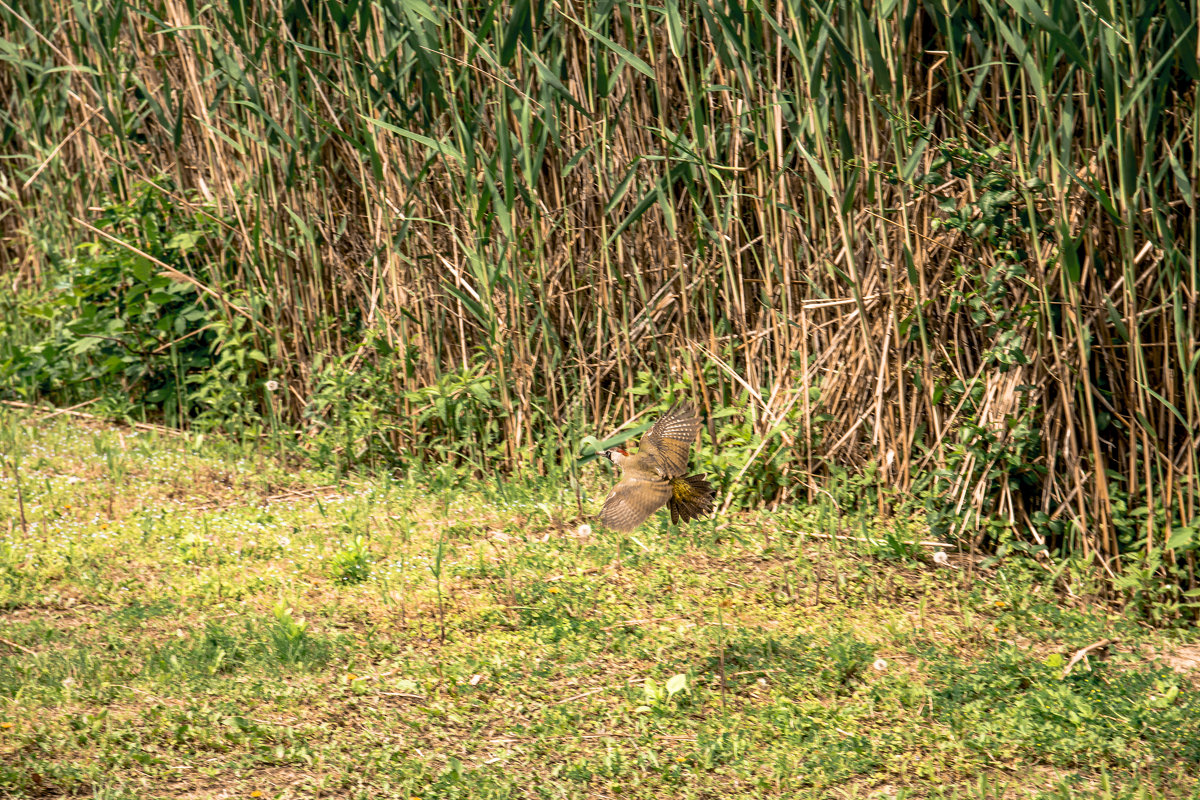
(654, 475)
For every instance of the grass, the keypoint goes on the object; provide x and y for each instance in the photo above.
(200, 622)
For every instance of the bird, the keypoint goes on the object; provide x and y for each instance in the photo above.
(654, 475)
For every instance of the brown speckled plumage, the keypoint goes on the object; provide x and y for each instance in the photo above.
(653, 476)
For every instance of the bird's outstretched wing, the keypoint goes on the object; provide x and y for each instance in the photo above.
(670, 440)
(632, 500)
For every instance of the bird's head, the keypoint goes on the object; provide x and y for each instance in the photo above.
(616, 455)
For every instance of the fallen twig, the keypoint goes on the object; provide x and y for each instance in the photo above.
(597, 690)
(638, 622)
(589, 571)
(505, 739)
(16, 646)
(582, 695)
(420, 698)
(1082, 653)
(868, 539)
(287, 494)
(138, 426)
(67, 410)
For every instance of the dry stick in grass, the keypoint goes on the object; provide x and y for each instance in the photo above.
(597, 690)
(287, 495)
(664, 737)
(174, 342)
(645, 621)
(418, 698)
(171, 701)
(16, 646)
(148, 427)
(775, 419)
(581, 695)
(1082, 653)
(590, 570)
(847, 537)
(721, 645)
(20, 498)
(67, 410)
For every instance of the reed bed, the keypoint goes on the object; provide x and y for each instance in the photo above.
(951, 242)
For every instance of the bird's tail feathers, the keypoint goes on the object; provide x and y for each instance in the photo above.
(691, 497)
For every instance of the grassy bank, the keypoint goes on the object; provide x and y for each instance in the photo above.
(199, 622)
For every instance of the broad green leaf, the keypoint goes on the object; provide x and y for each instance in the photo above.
(1181, 538)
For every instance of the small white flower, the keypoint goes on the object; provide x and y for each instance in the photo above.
(880, 665)
(583, 531)
(272, 385)
(940, 557)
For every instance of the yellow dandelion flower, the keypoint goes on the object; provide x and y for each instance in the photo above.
(6, 725)
(256, 793)
(351, 677)
(553, 590)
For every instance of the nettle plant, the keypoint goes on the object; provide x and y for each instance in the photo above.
(990, 293)
(112, 321)
(456, 419)
(351, 410)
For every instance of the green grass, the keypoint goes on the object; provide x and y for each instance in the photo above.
(203, 623)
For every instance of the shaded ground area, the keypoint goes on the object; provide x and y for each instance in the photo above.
(178, 623)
